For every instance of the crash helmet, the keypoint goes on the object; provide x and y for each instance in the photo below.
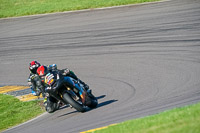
(33, 66)
(52, 67)
(42, 70)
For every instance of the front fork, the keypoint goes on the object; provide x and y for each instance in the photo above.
(76, 91)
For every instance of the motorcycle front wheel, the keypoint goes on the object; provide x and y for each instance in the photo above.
(68, 99)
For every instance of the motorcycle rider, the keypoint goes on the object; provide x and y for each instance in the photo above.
(34, 80)
(50, 103)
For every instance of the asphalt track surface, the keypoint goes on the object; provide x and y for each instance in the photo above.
(138, 60)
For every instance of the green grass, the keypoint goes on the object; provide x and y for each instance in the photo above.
(179, 120)
(10, 8)
(13, 111)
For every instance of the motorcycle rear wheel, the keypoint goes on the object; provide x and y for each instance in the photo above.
(94, 101)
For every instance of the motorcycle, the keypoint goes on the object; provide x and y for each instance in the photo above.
(69, 91)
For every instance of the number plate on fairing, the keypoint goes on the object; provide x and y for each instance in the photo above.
(49, 79)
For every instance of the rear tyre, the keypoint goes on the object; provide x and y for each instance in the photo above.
(94, 101)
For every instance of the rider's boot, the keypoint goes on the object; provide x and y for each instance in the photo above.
(35, 92)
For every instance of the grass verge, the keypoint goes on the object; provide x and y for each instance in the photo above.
(11, 8)
(13, 111)
(179, 120)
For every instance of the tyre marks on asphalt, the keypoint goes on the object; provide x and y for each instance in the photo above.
(23, 93)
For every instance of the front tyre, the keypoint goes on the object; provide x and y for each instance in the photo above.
(68, 99)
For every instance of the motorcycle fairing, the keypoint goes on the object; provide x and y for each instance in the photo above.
(75, 84)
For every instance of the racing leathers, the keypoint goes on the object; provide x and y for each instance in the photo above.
(35, 84)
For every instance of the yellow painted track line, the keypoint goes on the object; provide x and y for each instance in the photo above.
(92, 130)
(5, 89)
(28, 97)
